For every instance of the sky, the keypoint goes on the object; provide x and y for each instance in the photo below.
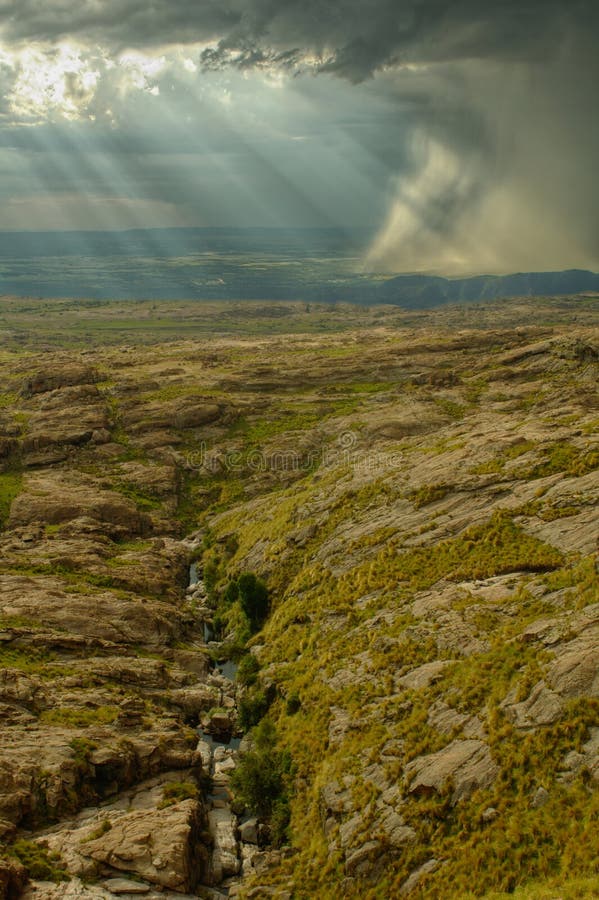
(464, 134)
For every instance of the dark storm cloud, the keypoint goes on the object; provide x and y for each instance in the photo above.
(352, 37)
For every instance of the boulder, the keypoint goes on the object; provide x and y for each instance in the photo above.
(193, 661)
(8, 445)
(162, 846)
(468, 764)
(444, 719)
(414, 879)
(360, 861)
(73, 435)
(248, 831)
(397, 833)
(178, 414)
(16, 687)
(587, 760)
(542, 707)
(204, 749)
(219, 723)
(194, 701)
(225, 860)
(191, 416)
(335, 799)
(126, 886)
(424, 675)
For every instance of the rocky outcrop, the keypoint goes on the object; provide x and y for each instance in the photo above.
(65, 375)
(162, 847)
(186, 413)
(97, 614)
(51, 772)
(70, 417)
(431, 865)
(108, 889)
(16, 688)
(161, 843)
(424, 675)
(54, 500)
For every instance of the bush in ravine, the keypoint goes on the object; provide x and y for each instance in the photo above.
(247, 672)
(252, 706)
(210, 574)
(262, 780)
(231, 592)
(253, 595)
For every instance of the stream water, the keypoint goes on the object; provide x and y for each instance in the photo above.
(227, 668)
(220, 755)
(214, 741)
(193, 579)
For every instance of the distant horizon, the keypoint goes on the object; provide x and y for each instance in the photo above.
(338, 231)
(341, 228)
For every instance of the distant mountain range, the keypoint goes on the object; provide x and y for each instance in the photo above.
(425, 291)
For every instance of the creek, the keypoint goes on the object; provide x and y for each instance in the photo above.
(219, 748)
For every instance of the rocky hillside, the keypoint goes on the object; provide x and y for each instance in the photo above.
(420, 502)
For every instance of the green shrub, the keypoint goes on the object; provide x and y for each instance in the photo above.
(262, 781)
(242, 606)
(293, 704)
(251, 708)
(248, 669)
(144, 500)
(10, 488)
(253, 595)
(450, 407)
(82, 749)
(563, 457)
(29, 659)
(177, 791)
(40, 864)
(79, 718)
(103, 828)
(231, 592)
(481, 551)
(428, 493)
(210, 574)
(278, 824)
